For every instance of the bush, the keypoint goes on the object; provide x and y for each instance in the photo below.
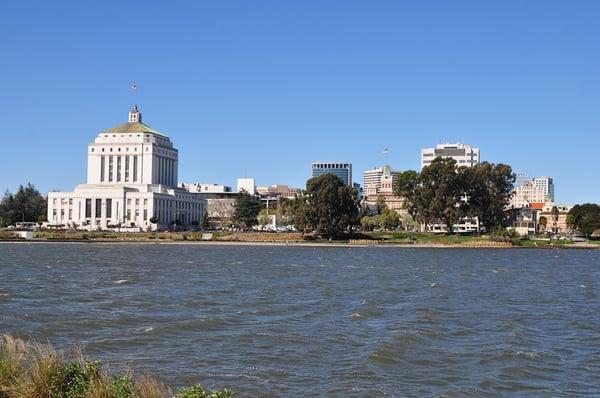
(198, 391)
(38, 371)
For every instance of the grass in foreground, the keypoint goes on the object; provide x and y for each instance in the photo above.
(38, 371)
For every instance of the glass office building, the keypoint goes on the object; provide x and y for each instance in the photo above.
(340, 169)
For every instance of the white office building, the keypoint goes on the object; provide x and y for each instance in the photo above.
(247, 185)
(465, 155)
(372, 181)
(131, 178)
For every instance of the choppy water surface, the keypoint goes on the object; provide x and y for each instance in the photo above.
(340, 322)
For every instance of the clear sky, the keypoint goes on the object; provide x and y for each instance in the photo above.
(264, 88)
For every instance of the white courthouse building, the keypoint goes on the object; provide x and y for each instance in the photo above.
(131, 178)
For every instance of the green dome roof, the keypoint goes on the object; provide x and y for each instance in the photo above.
(132, 127)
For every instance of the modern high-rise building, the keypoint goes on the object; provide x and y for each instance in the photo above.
(341, 169)
(546, 184)
(131, 178)
(372, 181)
(465, 155)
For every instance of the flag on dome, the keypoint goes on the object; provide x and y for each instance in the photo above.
(133, 86)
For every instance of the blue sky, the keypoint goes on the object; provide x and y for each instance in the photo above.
(264, 88)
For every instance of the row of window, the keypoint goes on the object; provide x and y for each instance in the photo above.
(131, 166)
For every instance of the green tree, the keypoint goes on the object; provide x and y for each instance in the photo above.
(585, 218)
(439, 192)
(246, 211)
(26, 205)
(330, 207)
(389, 219)
(444, 193)
(487, 191)
(368, 223)
(406, 187)
(205, 220)
(381, 205)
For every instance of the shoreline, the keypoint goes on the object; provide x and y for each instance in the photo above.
(583, 246)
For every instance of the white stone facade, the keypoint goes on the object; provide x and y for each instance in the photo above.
(131, 178)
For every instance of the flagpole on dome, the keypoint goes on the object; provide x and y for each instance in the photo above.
(135, 116)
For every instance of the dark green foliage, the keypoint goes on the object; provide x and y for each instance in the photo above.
(27, 204)
(205, 220)
(123, 387)
(330, 207)
(388, 220)
(197, 391)
(442, 193)
(246, 211)
(488, 188)
(153, 220)
(585, 218)
(72, 379)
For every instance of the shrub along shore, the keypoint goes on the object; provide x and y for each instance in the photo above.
(381, 239)
(31, 370)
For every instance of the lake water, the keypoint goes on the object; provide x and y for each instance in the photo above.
(339, 322)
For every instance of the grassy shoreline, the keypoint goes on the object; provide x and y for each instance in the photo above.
(373, 239)
(33, 370)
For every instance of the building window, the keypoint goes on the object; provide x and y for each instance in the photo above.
(129, 214)
(135, 168)
(88, 208)
(108, 208)
(118, 169)
(110, 169)
(98, 208)
(145, 214)
(70, 214)
(126, 168)
(102, 164)
(137, 202)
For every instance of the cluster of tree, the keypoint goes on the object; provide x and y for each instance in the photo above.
(329, 207)
(246, 211)
(585, 218)
(442, 193)
(387, 220)
(26, 205)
